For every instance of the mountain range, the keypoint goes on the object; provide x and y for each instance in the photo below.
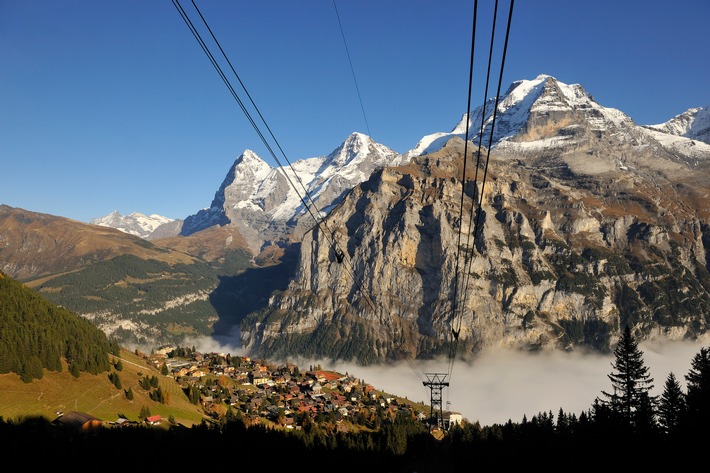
(145, 226)
(571, 222)
(271, 205)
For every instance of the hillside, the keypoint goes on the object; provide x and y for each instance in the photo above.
(38, 335)
(53, 361)
(263, 408)
(142, 293)
(96, 395)
(35, 244)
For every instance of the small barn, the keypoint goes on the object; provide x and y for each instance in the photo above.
(78, 421)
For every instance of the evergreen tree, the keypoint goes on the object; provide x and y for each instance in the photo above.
(644, 417)
(117, 382)
(193, 394)
(565, 423)
(129, 394)
(32, 369)
(630, 403)
(156, 395)
(144, 413)
(113, 377)
(698, 390)
(672, 406)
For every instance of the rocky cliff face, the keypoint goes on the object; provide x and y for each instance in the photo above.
(585, 223)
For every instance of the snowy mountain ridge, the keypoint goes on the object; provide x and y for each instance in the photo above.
(135, 223)
(693, 123)
(268, 203)
(543, 95)
(589, 222)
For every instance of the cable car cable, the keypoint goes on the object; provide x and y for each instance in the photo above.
(456, 331)
(352, 70)
(333, 244)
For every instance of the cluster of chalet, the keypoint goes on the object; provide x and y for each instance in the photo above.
(280, 392)
(81, 421)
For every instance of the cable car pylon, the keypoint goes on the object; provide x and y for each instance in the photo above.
(436, 382)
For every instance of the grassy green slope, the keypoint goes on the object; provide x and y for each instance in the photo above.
(95, 395)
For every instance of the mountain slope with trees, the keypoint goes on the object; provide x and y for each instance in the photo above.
(38, 335)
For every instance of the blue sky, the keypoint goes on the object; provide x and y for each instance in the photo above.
(113, 105)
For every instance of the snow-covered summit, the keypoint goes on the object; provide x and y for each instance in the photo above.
(356, 158)
(242, 183)
(243, 178)
(694, 123)
(136, 223)
(267, 203)
(543, 96)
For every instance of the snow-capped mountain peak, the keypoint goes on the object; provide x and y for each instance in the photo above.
(267, 203)
(354, 148)
(135, 223)
(693, 123)
(249, 165)
(357, 157)
(544, 97)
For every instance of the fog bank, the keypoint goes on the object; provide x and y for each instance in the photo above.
(502, 385)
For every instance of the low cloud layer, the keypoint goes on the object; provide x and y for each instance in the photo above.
(502, 385)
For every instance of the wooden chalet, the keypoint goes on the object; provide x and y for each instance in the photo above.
(78, 421)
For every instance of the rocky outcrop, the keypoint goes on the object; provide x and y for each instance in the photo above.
(584, 223)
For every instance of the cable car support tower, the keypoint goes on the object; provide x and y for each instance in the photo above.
(436, 382)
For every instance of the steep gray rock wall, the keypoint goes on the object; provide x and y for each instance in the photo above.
(567, 253)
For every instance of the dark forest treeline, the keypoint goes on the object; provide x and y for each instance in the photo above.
(401, 444)
(38, 335)
(625, 427)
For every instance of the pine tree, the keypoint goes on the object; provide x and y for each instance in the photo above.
(630, 404)
(193, 394)
(144, 413)
(698, 390)
(672, 406)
